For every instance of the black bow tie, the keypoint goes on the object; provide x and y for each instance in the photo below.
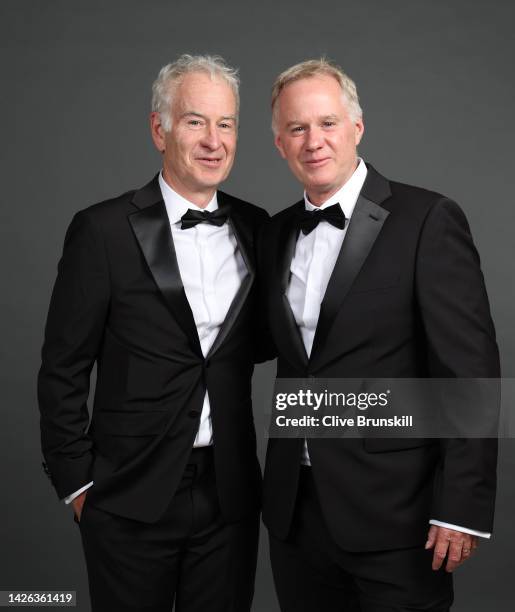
(309, 219)
(217, 217)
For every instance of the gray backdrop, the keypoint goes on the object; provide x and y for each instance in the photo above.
(434, 83)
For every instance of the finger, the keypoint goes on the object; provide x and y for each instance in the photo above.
(454, 554)
(441, 546)
(466, 551)
(431, 537)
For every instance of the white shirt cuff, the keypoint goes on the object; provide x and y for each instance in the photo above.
(70, 498)
(481, 534)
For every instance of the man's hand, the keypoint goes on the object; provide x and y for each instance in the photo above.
(77, 504)
(456, 545)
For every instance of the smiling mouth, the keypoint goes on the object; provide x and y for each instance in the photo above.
(315, 163)
(210, 162)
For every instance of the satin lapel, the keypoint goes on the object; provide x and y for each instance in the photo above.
(243, 234)
(288, 333)
(364, 227)
(152, 230)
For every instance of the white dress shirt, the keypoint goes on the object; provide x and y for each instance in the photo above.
(211, 269)
(311, 268)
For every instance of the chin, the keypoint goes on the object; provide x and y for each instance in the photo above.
(320, 177)
(214, 174)
(320, 184)
(210, 179)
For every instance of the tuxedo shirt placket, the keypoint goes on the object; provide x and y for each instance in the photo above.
(199, 291)
(313, 262)
(211, 269)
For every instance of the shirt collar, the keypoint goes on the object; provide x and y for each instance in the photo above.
(348, 193)
(177, 206)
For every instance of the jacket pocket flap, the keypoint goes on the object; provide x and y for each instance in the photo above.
(382, 445)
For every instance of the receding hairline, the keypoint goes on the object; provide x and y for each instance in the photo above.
(171, 76)
(188, 108)
(214, 77)
(217, 79)
(321, 68)
(308, 70)
(305, 77)
(322, 116)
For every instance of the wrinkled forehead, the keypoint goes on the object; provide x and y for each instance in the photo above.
(200, 90)
(318, 83)
(309, 96)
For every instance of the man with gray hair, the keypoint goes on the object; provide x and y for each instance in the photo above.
(156, 287)
(374, 279)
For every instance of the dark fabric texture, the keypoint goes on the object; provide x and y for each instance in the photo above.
(311, 572)
(119, 302)
(406, 299)
(190, 556)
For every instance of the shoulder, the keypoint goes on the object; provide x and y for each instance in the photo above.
(108, 220)
(413, 193)
(421, 203)
(285, 215)
(108, 209)
(96, 218)
(282, 219)
(252, 212)
(425, 213)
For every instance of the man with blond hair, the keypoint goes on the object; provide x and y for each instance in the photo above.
(157, 287)
(379, 279)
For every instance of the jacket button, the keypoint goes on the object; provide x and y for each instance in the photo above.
(207, 363)
(193, 414)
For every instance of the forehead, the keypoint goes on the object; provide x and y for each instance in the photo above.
(320, 93)
(200, 92)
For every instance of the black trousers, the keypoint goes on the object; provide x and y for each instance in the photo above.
(313, 574)
(189, 558)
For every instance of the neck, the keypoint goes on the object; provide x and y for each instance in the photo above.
(199, 198)
(317, 198)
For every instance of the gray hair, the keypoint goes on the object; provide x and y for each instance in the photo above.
(170, 76)
(317, 67)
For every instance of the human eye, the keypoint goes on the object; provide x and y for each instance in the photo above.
(297, 129)
(226, 125)
(328, 123)
(195, 123)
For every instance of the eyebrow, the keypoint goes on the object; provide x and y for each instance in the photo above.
(324, 118)
(195, 114)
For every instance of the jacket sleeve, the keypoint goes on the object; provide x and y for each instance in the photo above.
(73, 334)
(461, 343)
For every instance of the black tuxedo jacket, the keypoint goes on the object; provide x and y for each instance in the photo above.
(119, 301)
(406, 299)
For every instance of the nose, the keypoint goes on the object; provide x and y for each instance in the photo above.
(211, 138)
(314, 140)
